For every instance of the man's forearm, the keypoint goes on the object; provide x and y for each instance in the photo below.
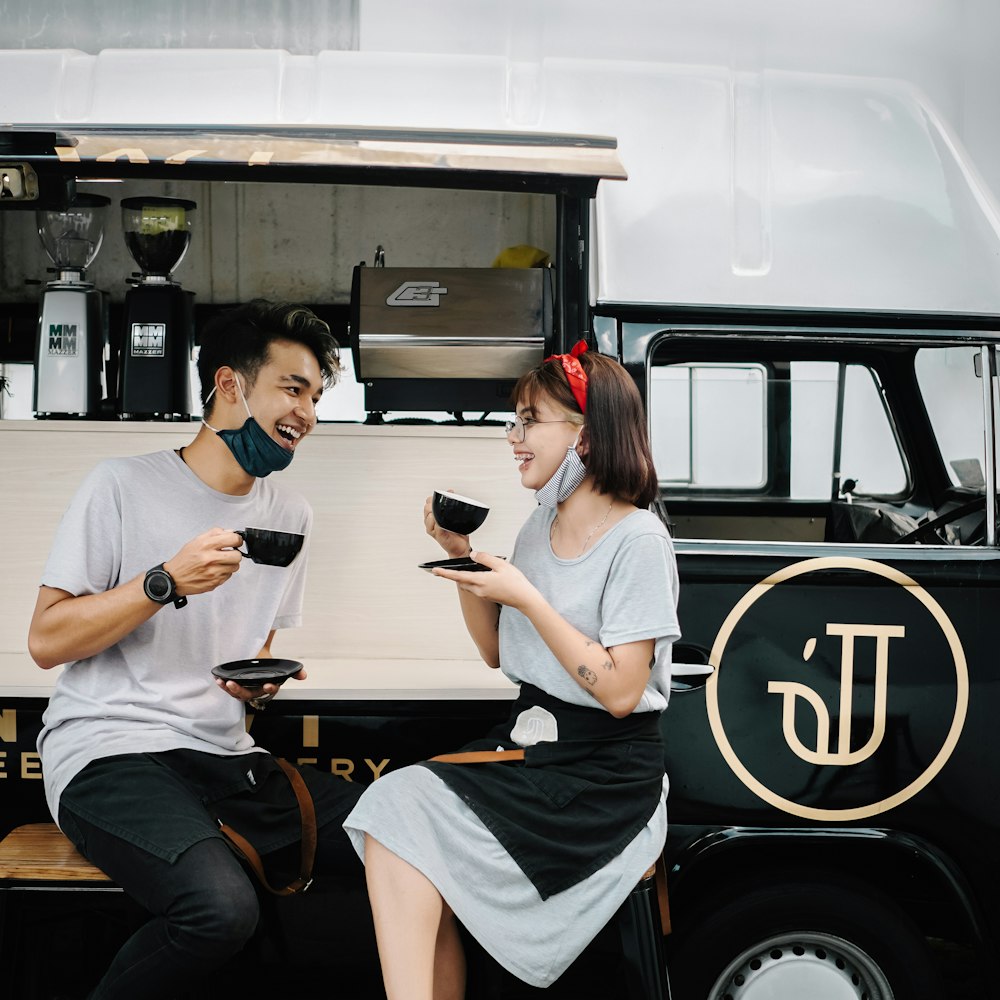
(73, 628)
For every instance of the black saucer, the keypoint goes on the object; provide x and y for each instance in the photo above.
(256, 673)
(465, 564)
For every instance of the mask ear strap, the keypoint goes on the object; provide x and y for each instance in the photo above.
(212, 393)
(574, 372)
(246, 405)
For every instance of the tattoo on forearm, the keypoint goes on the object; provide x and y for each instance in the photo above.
(587, 675)
(608, 665)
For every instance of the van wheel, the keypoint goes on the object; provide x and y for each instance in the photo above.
(811, 939)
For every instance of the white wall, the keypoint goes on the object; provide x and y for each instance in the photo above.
(374, 624)
(92, 25)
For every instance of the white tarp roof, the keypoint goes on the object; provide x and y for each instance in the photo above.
(754, 178)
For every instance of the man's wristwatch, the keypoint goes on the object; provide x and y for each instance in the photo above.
(159, 586)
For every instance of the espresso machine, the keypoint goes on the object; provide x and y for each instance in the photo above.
(72, 346)
(158, 329)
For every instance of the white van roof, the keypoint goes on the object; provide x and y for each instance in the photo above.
(767, 188)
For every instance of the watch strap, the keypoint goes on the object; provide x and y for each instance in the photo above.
(171, 596)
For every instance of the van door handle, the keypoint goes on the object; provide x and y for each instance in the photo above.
(690, 669)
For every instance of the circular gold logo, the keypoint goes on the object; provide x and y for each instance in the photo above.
(872, 674)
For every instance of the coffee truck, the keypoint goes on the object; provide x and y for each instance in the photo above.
(822, 405)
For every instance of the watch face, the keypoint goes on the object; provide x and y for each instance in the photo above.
(158, 585)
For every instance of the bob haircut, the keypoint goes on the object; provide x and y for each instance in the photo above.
(241, 338)
(619, 456)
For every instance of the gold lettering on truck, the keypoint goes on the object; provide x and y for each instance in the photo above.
(890, 767)
(792, 690)
(8, 725)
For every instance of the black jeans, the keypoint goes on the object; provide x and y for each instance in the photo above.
(204, 907)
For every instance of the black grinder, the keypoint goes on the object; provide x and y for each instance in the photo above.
(158, 330)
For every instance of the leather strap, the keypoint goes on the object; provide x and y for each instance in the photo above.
(308, 842)
(479, 756)
(661, 895)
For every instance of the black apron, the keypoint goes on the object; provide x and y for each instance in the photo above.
(573, 804)
(164, 802)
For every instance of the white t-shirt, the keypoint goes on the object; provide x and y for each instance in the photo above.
(622, 590)
(154, 690)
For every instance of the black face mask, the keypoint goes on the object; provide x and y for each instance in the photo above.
(257, 452)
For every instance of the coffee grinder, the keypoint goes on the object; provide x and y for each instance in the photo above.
(158, 329)
(72, 345)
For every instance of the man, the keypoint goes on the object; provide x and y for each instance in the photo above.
(144, 753)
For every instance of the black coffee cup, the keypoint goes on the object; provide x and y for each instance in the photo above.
(272, 548)
(454, 512)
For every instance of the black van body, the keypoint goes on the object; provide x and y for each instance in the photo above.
(833, 811)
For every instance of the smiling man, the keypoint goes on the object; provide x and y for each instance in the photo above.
(144, 753)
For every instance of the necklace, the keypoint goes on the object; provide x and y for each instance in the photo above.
(600, 524)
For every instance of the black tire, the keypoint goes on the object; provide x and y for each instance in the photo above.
(801, 940)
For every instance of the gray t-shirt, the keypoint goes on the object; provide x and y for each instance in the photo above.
(154, 690)
(622, 590)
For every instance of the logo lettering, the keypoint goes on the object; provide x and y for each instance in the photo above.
(417, 293)
(790, 690)
(62, 340)
(831, 780)
(148, 340)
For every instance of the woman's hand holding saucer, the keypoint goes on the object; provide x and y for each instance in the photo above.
(505, 584)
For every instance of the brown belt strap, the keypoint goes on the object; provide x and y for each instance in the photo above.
(308, 853)
(479, 756)
(661, 895)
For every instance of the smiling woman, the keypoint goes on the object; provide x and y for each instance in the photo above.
(534, 859)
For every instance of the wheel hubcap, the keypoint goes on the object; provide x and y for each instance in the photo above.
(806, 964)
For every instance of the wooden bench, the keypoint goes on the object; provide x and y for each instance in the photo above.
(39, 853)
(38, 856)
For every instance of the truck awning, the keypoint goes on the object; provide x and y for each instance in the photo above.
(572, 164)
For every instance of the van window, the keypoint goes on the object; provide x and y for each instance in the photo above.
(708, 422)
(869, 451)
(727, 428)
(953, 396)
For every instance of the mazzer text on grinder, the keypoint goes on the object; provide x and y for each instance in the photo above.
(72, 346)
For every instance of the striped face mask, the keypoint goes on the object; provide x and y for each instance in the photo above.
(565, 479)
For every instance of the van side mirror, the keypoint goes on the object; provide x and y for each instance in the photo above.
(977, 360)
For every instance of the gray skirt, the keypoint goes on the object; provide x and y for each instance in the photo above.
(415, 815)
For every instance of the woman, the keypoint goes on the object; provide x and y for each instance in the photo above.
(535, 856)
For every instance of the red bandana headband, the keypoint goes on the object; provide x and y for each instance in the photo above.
(575, 374)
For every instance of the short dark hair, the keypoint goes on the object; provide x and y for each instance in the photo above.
(241, 338)
(619, 457)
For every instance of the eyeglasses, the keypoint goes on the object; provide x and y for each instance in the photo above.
(519, 425)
